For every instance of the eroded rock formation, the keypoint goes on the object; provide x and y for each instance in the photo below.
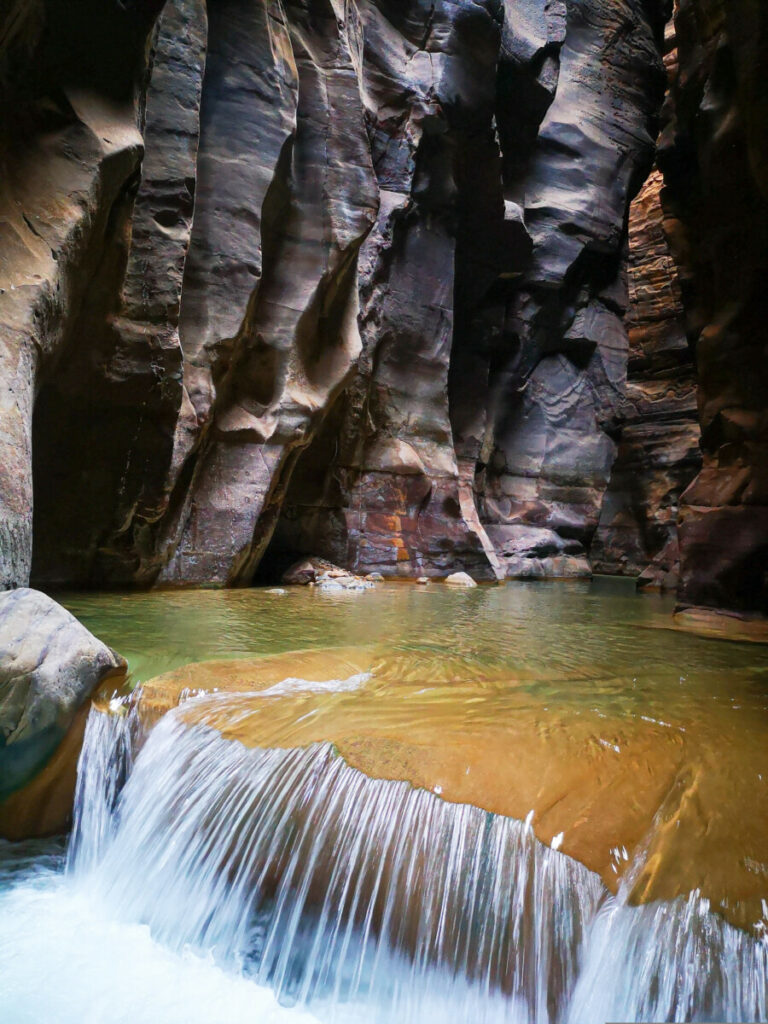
(658, 454)
(300, 277)
(714, 154)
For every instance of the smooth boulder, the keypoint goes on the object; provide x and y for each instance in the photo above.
(49, 666)
(460, 579)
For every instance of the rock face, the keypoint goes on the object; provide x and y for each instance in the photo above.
(658, 452)
(714, 154)
(312, 280)
(558, 377)
(291, 277)
(49, 666)
(71, 151)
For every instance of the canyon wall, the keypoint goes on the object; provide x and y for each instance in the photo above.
(658, 446)
(350, 279)
(714, 154)
(312, 276)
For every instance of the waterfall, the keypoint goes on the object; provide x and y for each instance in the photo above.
(105, 763)
(369, 900)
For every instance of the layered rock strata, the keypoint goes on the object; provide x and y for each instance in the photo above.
(658, 453)
(714, 154)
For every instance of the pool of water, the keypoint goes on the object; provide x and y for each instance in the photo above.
(553, 628)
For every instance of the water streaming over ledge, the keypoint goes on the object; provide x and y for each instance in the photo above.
(368, 900)
(126, 938)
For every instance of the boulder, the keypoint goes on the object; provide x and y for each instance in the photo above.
(460, 579)
(307, 570)
(327, 575)
(49, 666)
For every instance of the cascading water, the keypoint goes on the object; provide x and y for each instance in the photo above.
(365, 900)
(332, 888)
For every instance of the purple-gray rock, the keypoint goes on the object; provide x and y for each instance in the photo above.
(297, 278)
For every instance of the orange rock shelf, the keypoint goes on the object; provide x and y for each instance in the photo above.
(673, 804)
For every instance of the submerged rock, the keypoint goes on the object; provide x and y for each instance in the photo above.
(671, 802)
(49, 666)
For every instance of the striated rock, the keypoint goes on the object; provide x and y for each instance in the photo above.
(289, 278)
(70, 152)
(658, 451)
(558, 374)
(379, 488)
(49, 665)
(531, 552)
(315, 200)
(115, 397)
(714, 154)
(537, 362)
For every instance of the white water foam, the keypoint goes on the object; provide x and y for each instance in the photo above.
(65, 960)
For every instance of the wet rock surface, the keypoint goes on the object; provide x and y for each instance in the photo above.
(49, 666)
(665, 804)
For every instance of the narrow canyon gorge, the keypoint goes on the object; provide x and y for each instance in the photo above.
(415, 287)
(383, 511)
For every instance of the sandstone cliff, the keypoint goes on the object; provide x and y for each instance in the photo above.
(714, 154)
(350, 279)
(345, 275)
(658, 452)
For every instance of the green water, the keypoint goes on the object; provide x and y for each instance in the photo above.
(600, 633)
